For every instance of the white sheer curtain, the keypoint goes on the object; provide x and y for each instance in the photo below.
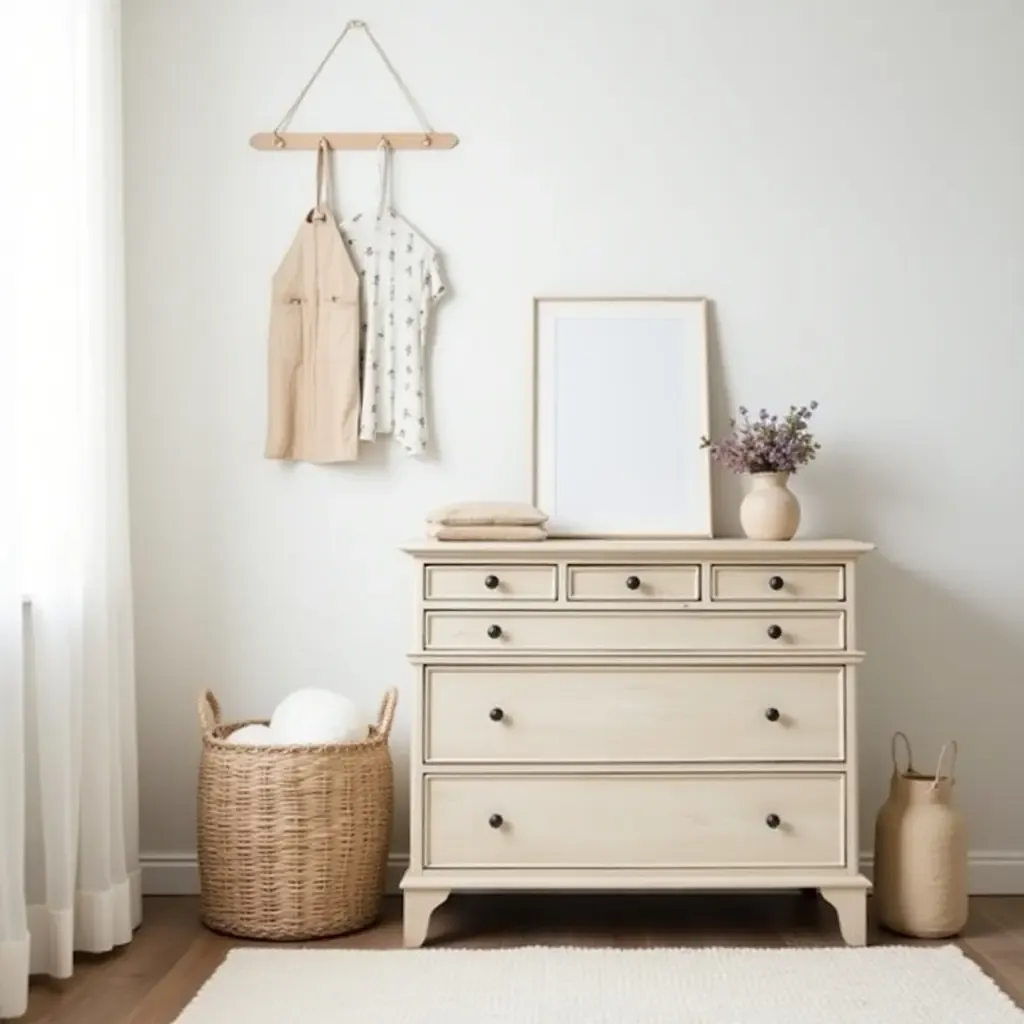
(69, 873)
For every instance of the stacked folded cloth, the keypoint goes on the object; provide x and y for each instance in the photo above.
(487, 520)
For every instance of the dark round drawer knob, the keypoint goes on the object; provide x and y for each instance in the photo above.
(772, 714)
(633, 582)
(497, 714)
(491, 582)
(773, 631)
(773, 821)
(776, 582)
(495, 631)
(495, 821)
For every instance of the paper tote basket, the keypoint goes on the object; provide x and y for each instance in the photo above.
(920, 882)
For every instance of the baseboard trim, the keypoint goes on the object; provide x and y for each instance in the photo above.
(177, 874)
(169, 874)
(989, 873)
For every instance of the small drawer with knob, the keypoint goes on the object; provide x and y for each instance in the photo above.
(778, 583)
(633, 582)
(634, 821)
(503, 631)
(784, 631)
(471, 583)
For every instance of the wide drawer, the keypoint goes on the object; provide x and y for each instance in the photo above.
(634, 583)
(640, 821)
(777, 583)
(490, 582)
(493, 714)
(517, 631)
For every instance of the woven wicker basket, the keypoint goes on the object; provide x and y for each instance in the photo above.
(293, 841)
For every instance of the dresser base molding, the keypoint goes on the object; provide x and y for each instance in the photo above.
(628, 880)
(418, 905)
(851, 909)
(424, 892)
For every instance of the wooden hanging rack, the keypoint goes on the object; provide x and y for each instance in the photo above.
(281, 139)
(354, 140)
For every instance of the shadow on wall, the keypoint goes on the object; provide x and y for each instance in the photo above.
(726, 488)
(939, 665)
(938, 668)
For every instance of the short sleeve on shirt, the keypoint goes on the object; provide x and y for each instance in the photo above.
(434, 282)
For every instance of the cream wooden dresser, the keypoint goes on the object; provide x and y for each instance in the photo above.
(635, 715)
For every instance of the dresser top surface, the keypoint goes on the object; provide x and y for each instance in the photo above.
(731, 549)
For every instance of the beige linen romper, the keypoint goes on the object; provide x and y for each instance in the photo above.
(314, 342)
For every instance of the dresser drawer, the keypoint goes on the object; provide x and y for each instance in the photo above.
(777, 583)
(490, 582)
(634, 583)
(500, 631)
(635, 714)
(639, 821)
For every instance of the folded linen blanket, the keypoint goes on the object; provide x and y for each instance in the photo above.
(441, 532)
(488, 513)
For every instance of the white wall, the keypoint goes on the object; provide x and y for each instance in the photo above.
(843, 180)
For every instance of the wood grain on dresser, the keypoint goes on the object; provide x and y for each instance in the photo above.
(777, 583)
(594, 821)
(490, 583)
(636, 631)
(640, 583)
(601, 714)
(634, 715)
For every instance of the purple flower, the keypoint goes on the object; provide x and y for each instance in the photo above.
(769, 444)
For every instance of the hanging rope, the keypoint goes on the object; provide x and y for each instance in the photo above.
(282, 125)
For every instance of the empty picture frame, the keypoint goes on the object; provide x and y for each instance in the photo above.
(620, 406)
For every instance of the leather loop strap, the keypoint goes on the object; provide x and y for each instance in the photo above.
(910, 756)
(951, 746)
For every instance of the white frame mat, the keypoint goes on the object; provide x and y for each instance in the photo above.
(620, 402)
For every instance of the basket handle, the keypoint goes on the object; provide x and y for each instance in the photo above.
(952, 745)
(209, 712)
(386, 716)
(910, 757)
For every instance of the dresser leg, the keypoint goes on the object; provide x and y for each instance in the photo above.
(417, 906)
(852, 910)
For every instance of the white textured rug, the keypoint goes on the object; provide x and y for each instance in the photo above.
(542, 985)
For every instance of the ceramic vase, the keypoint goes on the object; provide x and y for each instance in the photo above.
(770, 510)
(920, 876)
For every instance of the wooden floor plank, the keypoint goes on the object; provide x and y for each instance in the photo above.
(997, 944)
(154, 978)
(172, 992)
(106, 988)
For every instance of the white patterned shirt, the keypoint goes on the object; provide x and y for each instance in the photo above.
(402, 282)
